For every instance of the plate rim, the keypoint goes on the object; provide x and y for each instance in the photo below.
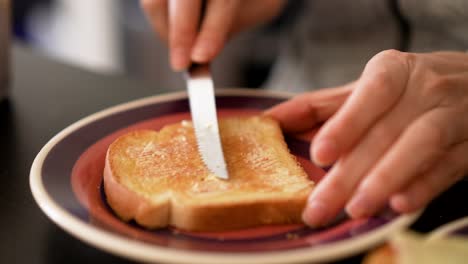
(141, 251)
(444, 230)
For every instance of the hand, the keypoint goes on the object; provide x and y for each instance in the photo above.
(400, 138)
(177, 22)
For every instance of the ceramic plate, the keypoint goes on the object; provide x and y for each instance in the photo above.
(66, 179)
(455, 228)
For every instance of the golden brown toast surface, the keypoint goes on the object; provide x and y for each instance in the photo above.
(165, 168)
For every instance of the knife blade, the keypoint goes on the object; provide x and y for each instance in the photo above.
(200, 89)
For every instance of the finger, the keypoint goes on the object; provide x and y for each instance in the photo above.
(216, 26)
(183, 27)
(256, 13)
(420, 146)
(307, 110)
(382, 83)
(327, 199)
(425, 188)
(156, 12)
(341, 181)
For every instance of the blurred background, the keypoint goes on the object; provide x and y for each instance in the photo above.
(113, 37)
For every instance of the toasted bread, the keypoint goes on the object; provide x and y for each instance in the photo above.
(159, 180)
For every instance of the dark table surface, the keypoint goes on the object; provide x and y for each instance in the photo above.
(45, 97)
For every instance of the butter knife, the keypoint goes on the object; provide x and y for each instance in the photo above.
(203, 110)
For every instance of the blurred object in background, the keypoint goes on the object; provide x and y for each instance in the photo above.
(265, 44)
(5, 10)
(22, 9)
(244, 62)
(146, 56)
(113, 36)
(81, 32)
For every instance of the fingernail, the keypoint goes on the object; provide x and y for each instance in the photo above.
(200, 53)
(360, 206)
(179, 59)
(400, 203)
(315, 214)
(324, 152)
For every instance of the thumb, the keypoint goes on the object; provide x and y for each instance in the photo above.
(307, 110)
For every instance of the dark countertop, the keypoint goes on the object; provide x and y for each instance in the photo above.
(47, 96)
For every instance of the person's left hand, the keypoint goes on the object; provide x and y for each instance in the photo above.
(400, 137)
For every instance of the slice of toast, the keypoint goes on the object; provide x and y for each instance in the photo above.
(158, 178)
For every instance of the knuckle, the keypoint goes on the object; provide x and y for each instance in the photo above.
(391, 54)
(435, 136)
(381, 84)
(387, 70)
(402, 60)
(380, 80)
(443, 82)
(438, 87)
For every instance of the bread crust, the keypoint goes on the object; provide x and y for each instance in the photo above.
(239, 215)
(176, 208)
(129, 205)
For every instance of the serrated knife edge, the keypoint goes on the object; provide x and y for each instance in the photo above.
(205, 122)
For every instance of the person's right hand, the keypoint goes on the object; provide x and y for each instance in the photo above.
(177, 22)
